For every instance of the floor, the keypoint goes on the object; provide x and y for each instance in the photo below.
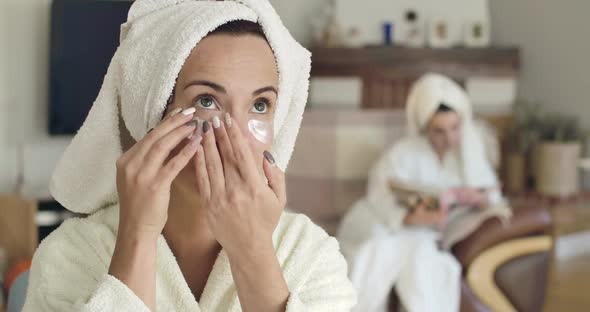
(569, 281)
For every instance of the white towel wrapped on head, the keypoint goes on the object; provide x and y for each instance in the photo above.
(155, 42)
(424, 99)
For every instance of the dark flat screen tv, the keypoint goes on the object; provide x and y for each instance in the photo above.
(84, 37)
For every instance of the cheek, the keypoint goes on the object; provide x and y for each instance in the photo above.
(260, 137)
(436, 139)
(258, 150)
(207, 114)
(455, 137)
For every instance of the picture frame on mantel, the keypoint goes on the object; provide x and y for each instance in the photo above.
(439, 34)
(476, 34)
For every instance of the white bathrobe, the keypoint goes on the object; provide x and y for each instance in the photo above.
(70, 271)
(382, 251)
(70, 268)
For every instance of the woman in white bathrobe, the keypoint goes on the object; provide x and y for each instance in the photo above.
(195, 219)
(389, 247)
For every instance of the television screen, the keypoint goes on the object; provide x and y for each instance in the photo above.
(84, 37)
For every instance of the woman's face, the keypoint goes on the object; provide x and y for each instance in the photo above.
(235, 74)
(444, 131)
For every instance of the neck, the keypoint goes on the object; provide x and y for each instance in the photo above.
(187, 227)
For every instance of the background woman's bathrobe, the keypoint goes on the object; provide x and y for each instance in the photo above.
(70, 268)
(384, 253)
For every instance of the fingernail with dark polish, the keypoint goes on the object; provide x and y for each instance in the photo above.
(269, 157)
(205, 126)
(191, 123)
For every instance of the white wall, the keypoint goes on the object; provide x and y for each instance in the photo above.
(296, 15)
(3, 72)
(554, 37)
(24, 41)
(25, 38)
(367, 16)
(552, 34)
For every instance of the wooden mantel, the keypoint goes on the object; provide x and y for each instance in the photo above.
(388, 72)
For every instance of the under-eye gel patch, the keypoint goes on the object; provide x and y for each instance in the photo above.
(260, 130)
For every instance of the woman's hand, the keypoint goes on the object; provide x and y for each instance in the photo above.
(144, 177)
(145, 174)
(243, 210)
(421, 216)
(470, 197)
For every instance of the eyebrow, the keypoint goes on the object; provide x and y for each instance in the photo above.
(265, 89)
(206, 83)
(221, 89)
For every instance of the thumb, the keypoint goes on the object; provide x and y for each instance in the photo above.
(275, 177)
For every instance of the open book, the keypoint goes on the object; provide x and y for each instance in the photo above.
(461, 219)
(412, 196)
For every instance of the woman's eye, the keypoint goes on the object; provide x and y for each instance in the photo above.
(260, 107)
(206, 102)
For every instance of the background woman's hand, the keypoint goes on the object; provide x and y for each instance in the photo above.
(243, 209)
(470, 197)
(421, 216)
(145, 173)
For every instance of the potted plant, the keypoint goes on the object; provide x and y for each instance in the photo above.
(558, 155)
(521, 137)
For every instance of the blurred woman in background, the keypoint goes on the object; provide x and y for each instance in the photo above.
(391, 245)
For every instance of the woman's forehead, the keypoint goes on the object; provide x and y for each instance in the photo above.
(444, 119)
(230, 60)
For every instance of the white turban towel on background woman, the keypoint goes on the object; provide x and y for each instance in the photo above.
(382, 251)
(70, 268)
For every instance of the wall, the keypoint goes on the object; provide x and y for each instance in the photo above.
(25, 38)
(24, 42)
(551, 34)
(553, 37)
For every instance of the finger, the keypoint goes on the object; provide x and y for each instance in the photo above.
(149, 162)
(173, 113)
(201, 174)
(159, 152)
(225, 150)
(242, 151)
(166, 126)
(212, 161)
(275, 177)
(178, 162)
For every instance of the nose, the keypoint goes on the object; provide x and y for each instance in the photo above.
(240, 120)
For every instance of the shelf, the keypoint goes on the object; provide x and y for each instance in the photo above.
(388, 72)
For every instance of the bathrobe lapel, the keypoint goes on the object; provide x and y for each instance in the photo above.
(219, 293)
